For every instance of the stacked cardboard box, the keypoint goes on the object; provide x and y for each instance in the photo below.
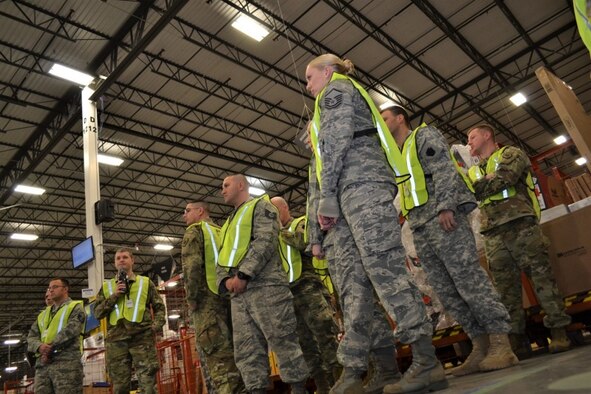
(579, 187)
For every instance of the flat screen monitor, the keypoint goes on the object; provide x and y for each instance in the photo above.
(83, 253)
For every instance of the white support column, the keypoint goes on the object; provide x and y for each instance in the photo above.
(92, 189)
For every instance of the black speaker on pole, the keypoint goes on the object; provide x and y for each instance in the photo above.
(104, 211)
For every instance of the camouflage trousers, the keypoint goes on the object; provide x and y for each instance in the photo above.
(265, 320)
(367, 254)
(520, 246)
(316, 328)
(450, 260)
(141, 350)
(59, 377)
(213, 336)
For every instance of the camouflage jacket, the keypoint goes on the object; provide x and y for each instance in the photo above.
(66, 343)
(512, 170)
(261, 262)
(347, 159)
(198, 295)
(445, 187)
(124, 329)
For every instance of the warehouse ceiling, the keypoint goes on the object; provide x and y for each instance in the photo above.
(188, 99)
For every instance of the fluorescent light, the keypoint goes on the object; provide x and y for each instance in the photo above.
(71, 75)
(256, 191)
(163, 247)
(581, 160)
(29, 190)
(11, 369)
(518, 99)
(250, 27)
(560, 140)
(172, 283)
(110, 160)
(24, 237)
(174, 315)
(11, 341)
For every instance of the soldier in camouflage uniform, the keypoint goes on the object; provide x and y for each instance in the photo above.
(382, 365)
(58, 369)
(316, 327)
(513, 238)
(131, 330)
(357, 189)
(249, 270)
(210, 312)
(436, 203)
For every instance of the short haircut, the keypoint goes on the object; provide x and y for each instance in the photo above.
(240, 177)
(124, 250)
(486, 127)
(201, 204)
(397, 110)
(64, 281)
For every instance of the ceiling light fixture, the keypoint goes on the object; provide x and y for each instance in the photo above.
(29, 190)
(518, 99)
(250, 27)
(163, 247)
(174, 316)
(71, 75)
(109, 160)
(560, 140)
(24, 237)
(172, 283)
(11, 369)
(256, 191)
(11, 341)
(581, 160)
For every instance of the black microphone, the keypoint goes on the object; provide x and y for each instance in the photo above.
(122, 277)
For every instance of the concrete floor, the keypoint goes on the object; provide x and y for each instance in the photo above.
(568, 372)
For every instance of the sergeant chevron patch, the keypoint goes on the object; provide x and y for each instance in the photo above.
(333, 99)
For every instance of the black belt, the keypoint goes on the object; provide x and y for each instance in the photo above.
(365, 133)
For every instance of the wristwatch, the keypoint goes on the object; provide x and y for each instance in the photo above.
(242, 275)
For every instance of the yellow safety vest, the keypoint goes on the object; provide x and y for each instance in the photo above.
(50, 326)
(321, 268)
(387, 141)
(475, 173)
(138, 293)
(236, 233)
(291, 258)
(462, 173)
(414, 189)
(211, 242)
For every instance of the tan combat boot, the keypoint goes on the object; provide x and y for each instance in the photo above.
(560, 342)
(349, 383)
(425, 373)
(499, 354)
(480, 346)
(384, 371)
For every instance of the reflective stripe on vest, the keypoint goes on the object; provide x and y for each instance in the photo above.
(236, 233)
(414, 189)
(49, 327)
(387, 141)
(211, 242)
(291, 258)
(475, 173)
(138, 293)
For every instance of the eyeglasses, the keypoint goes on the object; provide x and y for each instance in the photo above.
(54, 287)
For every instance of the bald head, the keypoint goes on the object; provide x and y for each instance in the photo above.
(235, 190)
(283, 208)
